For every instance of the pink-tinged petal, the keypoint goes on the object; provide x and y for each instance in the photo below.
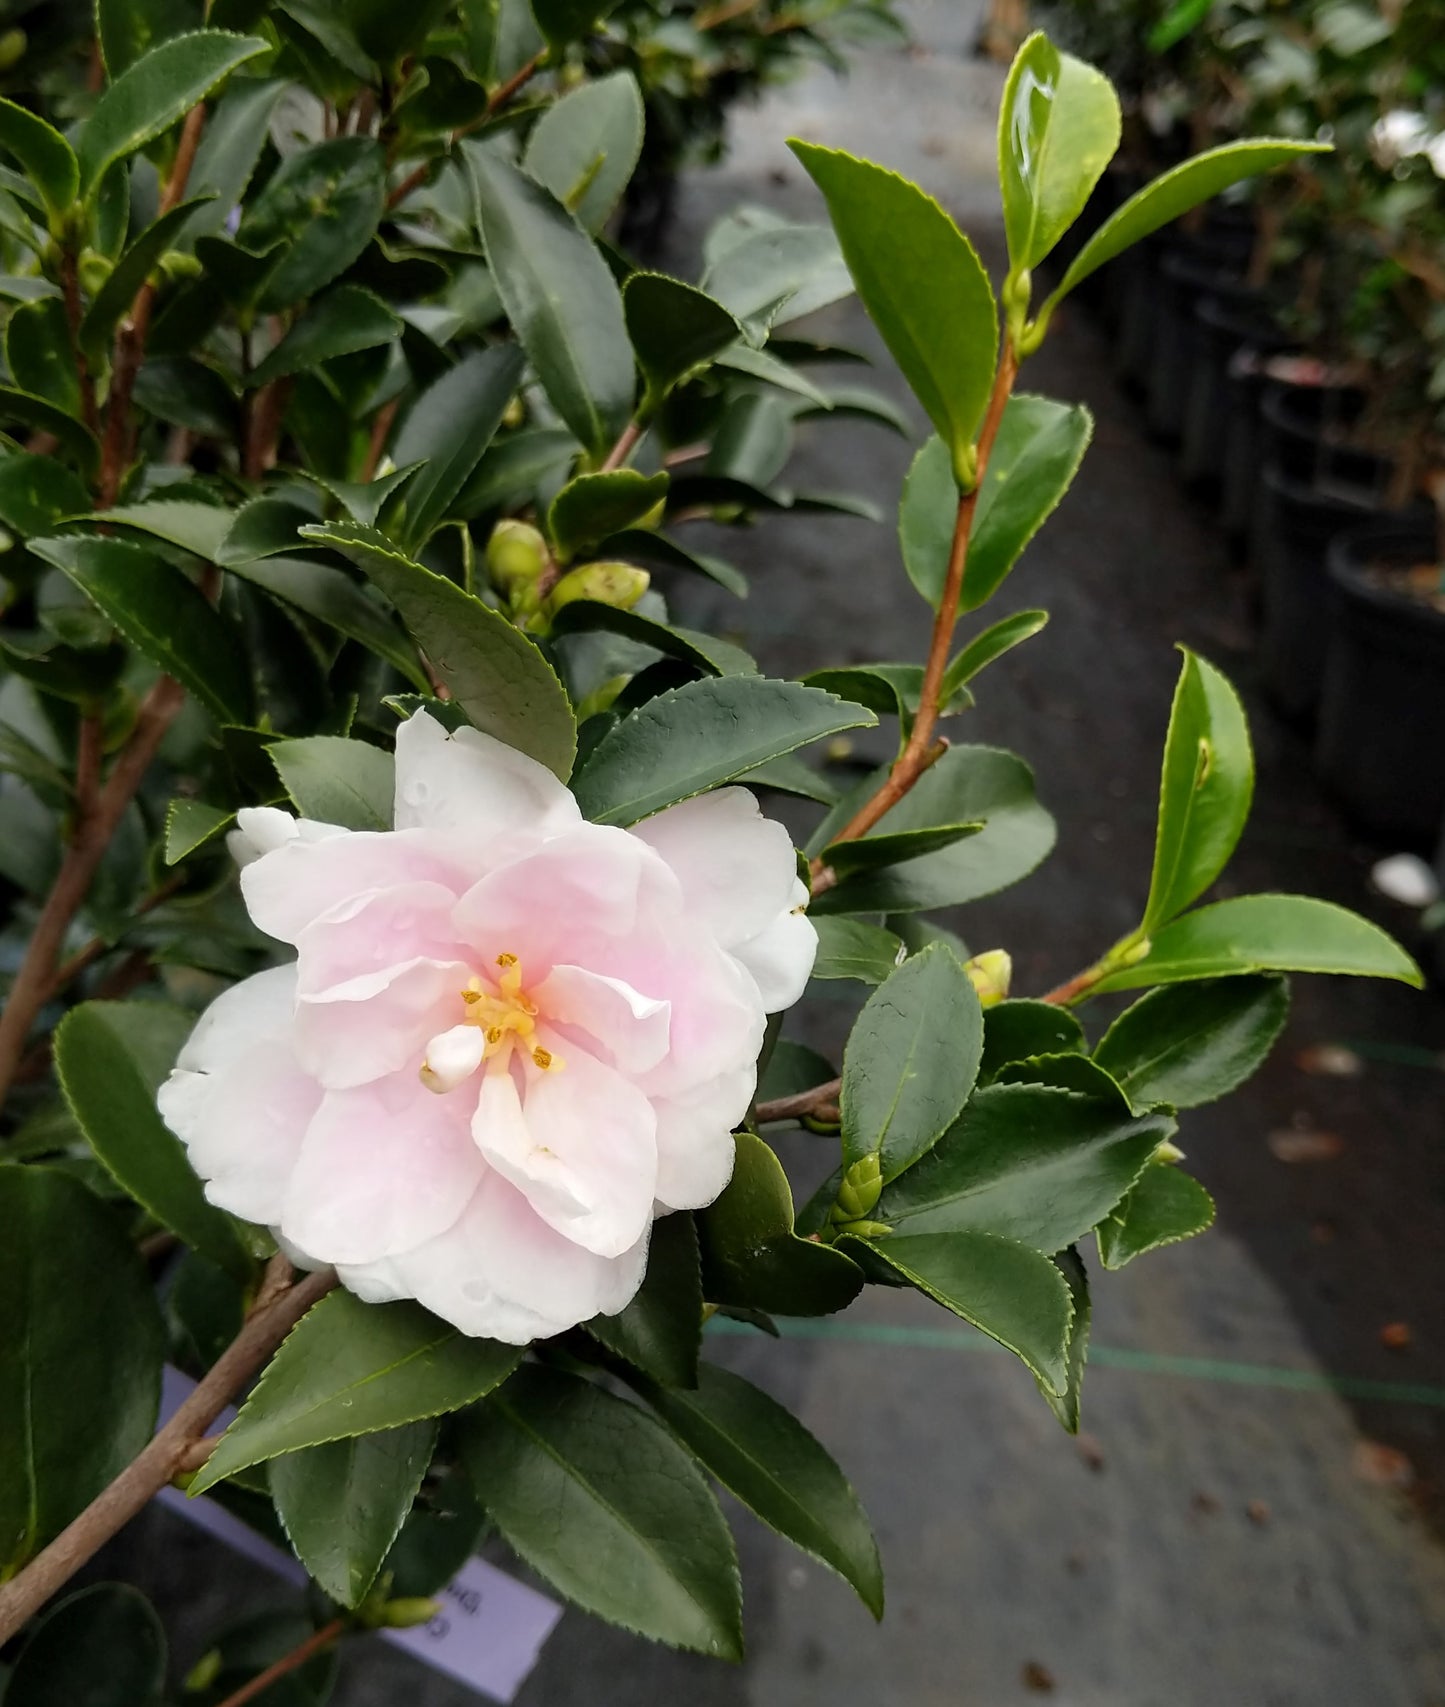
(237, 1098)
(737, 868)
(579, 1143)
(379, 1023)
(781, 957)
(375, 931)
(501, 1272)
(625, 1029)
(262, 829)
(471, 782)
(566, 901)
(695, 1148)
(302, 880)
(382, 1168)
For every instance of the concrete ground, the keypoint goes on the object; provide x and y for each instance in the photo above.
(1251, 1520)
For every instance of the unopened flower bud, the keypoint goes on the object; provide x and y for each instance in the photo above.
(204, 1672)
(865, 1229)
(516, 557)
(1167, 1152)
(406, 1613)
(617, 584)
(94, 269)
(991, 974)
(600, 699)
(12, 49)
(859, 1190)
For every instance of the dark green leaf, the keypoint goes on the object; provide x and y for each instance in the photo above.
(153, 93)
(592, 506)
(236, 131)
(1058, 128)
(1069, 1071)
(674, 328)
(710, 656)
(779, 272)
(495, 673)
(112, 301)
(1065, 1404)
(1012, 1293)
(585, 147)
(1191, 1043)
(981, 651)
(871, 853)
(849, 948)
(342, 1504)
(102, 1647)
(565, 21)
(332, 597)
(447, 431)
(762, 1454)
(660, 1331)
(911, 1061)
(337, 781)
(39, 355)
(1204, 793)
(385, 31)
(753, 442)
(1164, 1207)
(163, 613)
(600, 1500)
(1267, 933)
(923, 286)
(1027, 1162)
(44, 155)
(656, 551)
(129, 28)
(792, 775)
(36, 492)
(317, 213)
(561, 298)
(347, 319)
(190, 824)
(111, 1058)
(197, 528)
(1037, 453)
(512, 471)
(265, 527)
(42, 415)
(751, 1256)
(700, 735)
(80, 1385)
(791, 1069)
(349, 1368)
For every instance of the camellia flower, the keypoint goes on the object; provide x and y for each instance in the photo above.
(510, 1037)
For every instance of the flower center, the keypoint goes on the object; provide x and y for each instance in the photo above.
(503, 1019)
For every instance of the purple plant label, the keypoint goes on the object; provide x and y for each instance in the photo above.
(489, 1628)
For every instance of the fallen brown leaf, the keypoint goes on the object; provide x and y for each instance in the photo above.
(1038, 1678)
(1205, 1504)
(1330, 1060)
(1257, 1512)
(1383, 1466)
(1288, 1144)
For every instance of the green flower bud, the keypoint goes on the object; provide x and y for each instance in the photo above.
(1167, 1152)
(515, 412)
(859, 1191)
(178, 267)
(12, 49)
(94, 269)
(617, 584)
(990, 974)
(406, 1613)
(516, 557)
(600, 699)
(204, 1672)
(864, 1229)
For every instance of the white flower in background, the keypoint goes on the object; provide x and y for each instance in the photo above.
(1398, 135)
(510, 1038)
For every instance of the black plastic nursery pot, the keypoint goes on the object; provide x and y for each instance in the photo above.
(1230, 338)
(1305, 431)
(1381, 743)
(1185, 275)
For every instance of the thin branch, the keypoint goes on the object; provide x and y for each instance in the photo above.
(495, 102)
(70, 289)
(327, 1636)
(626, 444)
(380, 432)
(145, 1476)
(185, 158)
(803, 1102)
(98, 947)
(920, 750)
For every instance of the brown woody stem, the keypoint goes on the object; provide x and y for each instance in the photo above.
(626, 444)
(801, 1103)
(327, 1636)
(278, 1308)
(495, 102)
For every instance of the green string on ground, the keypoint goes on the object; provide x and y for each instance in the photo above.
(907, 1338)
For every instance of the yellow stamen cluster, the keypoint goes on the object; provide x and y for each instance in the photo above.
(508, 1017)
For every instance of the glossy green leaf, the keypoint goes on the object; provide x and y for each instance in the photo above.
(317, 213)
(190, 824)
(385, 31)
(495, 673)
(967, 785)
(236, 131)
(127, 29)
(751, 1257)
(1065, 1404)
(1011, 1293)
(447, 431)
(40, 414)
(654, 550)
(1058, 128)
(923, 286)
(113, 300)
(604, 1504)
(265, 527)
(197, 528)
(586, 146)
(911, 1061)
(560, 297)
(111, 1058)
(163, 613)
(1267, 933)
(709, 732)
(710, 656)
(1175, 192)
(343, 321)
(332, 597)
(80, 1386)
(985, 648)
(1188, 1044)
(1026, 1162)
(342, 1504)
(364, 500)
(873, 853)
(764, 1456)
(36, 492)
(337, 781)
(753, 441)
(674, 328)
(778, 273)
(101, 1647)
(851, 948)
(1204, 793)
(927, 517)
(892, 690)
(791, 774)
(1165, 1207)
(153, 93)
(592, 506)
(1067, 1070)
(43, 154)
(514, 470)
(39, 354)
(1037, 453)
(564, 21)
(348, 1369)
(660, 1331)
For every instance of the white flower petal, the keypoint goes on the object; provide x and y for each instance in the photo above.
(630, 1029)
(695, 1147)
(781, 957)
(378, 1023)
(468, 781)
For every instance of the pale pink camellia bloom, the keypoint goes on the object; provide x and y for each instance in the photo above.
(509, 1040)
